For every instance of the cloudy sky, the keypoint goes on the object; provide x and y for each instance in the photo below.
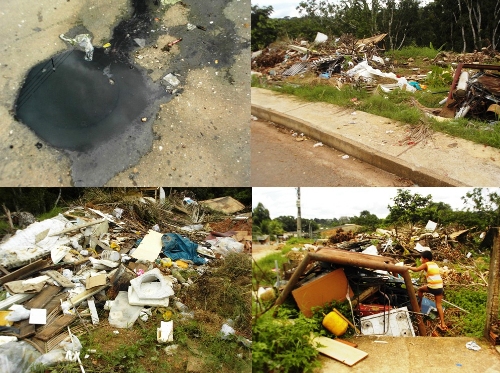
(328, 203)
(283, 8)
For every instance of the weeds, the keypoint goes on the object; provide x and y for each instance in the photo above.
(396, 104)
(473, 300)
(283, 344)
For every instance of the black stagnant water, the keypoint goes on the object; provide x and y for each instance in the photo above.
(80, 104)
(93, 109)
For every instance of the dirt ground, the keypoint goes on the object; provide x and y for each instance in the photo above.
(199, 138)
(260, 251)
(278, 159)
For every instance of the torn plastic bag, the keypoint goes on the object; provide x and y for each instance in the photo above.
(83, 41)
(177, 247)
(50, 358)
(17, 357)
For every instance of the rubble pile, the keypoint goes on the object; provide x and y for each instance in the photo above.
(361, 63)
(350, 261)
(115, 264)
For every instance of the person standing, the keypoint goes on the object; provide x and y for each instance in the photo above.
(434, 283)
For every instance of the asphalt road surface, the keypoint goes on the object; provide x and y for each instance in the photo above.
(278, 159)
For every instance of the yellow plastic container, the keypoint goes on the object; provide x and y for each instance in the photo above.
(3, 321)
(166, 262)
(335, 323)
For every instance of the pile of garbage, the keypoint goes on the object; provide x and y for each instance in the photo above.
(361, 63)
(61, 275)
(377, 298)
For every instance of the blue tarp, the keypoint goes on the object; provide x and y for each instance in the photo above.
(177, 247)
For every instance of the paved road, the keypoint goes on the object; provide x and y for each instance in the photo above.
(278, 159)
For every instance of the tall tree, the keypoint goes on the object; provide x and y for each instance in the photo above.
(263, 27)
(408, 208)
(259, 214)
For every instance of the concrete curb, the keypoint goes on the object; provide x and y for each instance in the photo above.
(420, 175)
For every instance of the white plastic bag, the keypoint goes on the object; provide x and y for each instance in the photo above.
(18, 313)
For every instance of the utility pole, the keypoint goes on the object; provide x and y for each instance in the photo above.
(299, 222)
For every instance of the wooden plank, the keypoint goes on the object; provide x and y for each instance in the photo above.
(55, 302)
(26, 329)
(61, 280)
(55, 327)
(42, 298)
(16, 275)
(347, 342)
(340, 351)
(76, 227)
(320, 291)
(4, 270)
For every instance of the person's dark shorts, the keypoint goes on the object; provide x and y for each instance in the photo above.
(439, 291)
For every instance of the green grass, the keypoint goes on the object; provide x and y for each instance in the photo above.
(412, 52)
(263, 271)
(50, 214)
(473, 300)
(396, 105)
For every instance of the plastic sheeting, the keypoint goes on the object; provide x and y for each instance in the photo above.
(177, 247)
(28, 244)
(17, 357)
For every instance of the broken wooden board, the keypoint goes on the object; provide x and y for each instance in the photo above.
(42, 298)
(320, 291)
(340, 351)
(25, 329)
(60, 279)
(227, 205)
(97, 280)
(149, 248)
(55, 327)
(23, 271)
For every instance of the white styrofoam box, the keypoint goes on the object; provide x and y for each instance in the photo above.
(395, 323)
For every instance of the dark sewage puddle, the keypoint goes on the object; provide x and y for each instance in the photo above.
(94, 110)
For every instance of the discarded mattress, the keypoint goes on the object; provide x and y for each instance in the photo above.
(177, 247)
(33, 242)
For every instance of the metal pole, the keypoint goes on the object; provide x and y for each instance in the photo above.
(414, 304)
(299, 222)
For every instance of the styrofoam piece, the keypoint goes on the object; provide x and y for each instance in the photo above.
(165, 333)
(370, 250)
(93, 311)
(431, 226)
(58, 253)
(145, 287)
(134, 300)
(395, 323)
(26, 245)
(122, 314)
(421, 248)
(38, 316)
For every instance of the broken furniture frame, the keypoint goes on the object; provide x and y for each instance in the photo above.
(446, 111)
(356, 260)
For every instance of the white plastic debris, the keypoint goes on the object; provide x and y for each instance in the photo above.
(226, 331)
(190, 27)
(472, 346)
(320, 38)
(170, 350)
(317, 144)
(140, 42)
(345, 156)
(165, 333)
(83, 41)
(171, 80)
(18, 313)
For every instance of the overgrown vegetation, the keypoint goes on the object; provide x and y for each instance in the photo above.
(397, 105)
(283, 344)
